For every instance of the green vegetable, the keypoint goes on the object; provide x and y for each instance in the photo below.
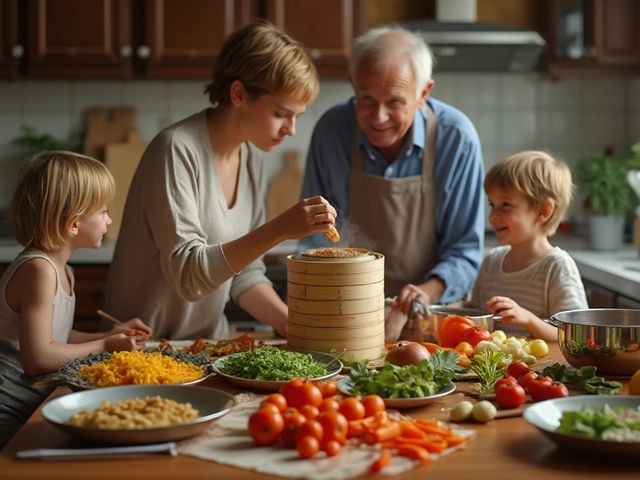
(485, 366)
(34, 142)
(272, 364)
(621, 423)
(584, 378)
(411, 381)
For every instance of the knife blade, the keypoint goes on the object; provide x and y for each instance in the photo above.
(88, 453)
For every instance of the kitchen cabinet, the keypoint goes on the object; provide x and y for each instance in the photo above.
(626, 302)
(11, 50)
(599, 297)
(179, 39)
(593, 37)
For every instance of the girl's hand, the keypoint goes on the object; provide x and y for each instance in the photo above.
(124, 342)
(509, 310)
(133, 324)
(308, 216)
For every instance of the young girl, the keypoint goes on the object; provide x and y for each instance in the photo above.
(527, 278)
(193, 231)
(60, 205)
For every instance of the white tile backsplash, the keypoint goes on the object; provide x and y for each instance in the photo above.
(570, 117)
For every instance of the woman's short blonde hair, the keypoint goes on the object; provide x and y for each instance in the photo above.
(540, 177)
(266, 61)
(54, 188)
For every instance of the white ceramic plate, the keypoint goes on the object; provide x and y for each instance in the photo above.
(334, 366)
(345, 384)
(211, 404)
(545, 416)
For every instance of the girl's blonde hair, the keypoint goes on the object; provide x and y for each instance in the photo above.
(53, 189)
(540, 177)
(266, 61)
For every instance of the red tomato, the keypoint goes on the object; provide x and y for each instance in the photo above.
(265, 426)
(334, 425)
(555, 390)
(451, 329)
(299, 393)
(517, 369)
(329, 404)
(308, 446)
(331, 448)
(503, 381)
(310, 412)
(310, 428)
(328, 388)
(373, 404)
(525, 380)
(291, 425)
(537, 386)
(352, 409)
(475, 335)
(510, 395)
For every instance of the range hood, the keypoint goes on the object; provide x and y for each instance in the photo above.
(460, 44)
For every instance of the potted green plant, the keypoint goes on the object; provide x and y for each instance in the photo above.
(602, 180)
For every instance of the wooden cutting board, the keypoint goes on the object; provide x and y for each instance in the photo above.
(122, 160)
(284, 190)
(105, 125)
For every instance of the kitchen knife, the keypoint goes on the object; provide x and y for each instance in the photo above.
(88, 453)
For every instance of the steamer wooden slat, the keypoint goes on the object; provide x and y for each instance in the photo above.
(333, 266)
(336, 321)
(338, 279)
(322, 345)
(326, 333)
(337, 292)
(337, 307)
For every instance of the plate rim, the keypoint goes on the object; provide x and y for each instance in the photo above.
(405, 402)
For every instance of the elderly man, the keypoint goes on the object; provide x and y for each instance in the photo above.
(403, 169)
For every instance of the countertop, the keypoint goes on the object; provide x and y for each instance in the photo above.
(616, 270)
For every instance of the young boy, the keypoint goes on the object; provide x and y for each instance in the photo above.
(527, 279)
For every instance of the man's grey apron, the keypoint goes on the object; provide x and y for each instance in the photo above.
(398, 214)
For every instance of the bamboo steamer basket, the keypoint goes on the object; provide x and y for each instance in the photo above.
(337, 303)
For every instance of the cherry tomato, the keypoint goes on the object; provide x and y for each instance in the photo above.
(373, 404)
(352, 409)
(265, 426)
(291, 424)
(525, 379)
(464, 347)
(331, 448)
(299, 393)
(517, 369)
(311, 428)
(510, 395)
(334, 425)
(309, 411)
(503, 381)
(329, 404)
(327, 387)
(537, 386)
(451, 329)
(269, 406)
(555, 390)
(308, 446)
(475, 335)
(278, 400)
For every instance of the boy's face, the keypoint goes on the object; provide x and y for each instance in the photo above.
(513, 217)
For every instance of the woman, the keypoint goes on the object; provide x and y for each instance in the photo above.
(193, 231)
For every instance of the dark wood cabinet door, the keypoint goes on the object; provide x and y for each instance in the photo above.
(183, 37)
(617, 32)
(325, 27)
(79, 38)
(599, 297)
(90, 281)
(10, 49)
(626, 302)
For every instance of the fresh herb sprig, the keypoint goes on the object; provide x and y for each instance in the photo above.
(584, 378)
(272, 364)
(410, 381)
(485, 366)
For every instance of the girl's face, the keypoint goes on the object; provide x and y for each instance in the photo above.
(512, 216)
(91, 229)
(268, 120)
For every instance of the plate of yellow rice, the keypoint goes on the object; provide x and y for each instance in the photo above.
(135, 368)
(137, 414)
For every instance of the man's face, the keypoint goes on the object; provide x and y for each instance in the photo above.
(386, 103)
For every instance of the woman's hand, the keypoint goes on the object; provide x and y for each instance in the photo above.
(134, 325)
(308, 216)
(125, 342)
(408, 293)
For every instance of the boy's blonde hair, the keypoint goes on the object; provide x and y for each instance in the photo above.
(54, 188)
(539, 176)
(267, 61)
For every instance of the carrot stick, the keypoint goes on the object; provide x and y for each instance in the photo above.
(432, 443)
(410, 430)
(413, 451)
(430, 427)
(355, 428)
(384, 433)
(382, 461)
(454, 440)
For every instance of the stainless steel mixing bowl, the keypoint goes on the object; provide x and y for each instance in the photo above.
(437, 313)
(607, 338)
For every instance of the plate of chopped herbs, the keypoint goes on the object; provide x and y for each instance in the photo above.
(266, 369)
(135, 368)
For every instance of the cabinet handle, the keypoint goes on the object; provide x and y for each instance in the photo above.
(17, 51)
(143, 51)
(125, 51)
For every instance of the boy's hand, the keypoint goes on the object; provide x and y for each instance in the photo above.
(509, 310)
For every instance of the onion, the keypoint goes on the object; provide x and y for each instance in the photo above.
(407, 353)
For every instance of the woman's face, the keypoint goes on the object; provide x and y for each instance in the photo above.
(268, 120)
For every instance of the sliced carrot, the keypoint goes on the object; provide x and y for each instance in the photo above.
(432, 347)
(413, 451)
(432, 427)
(355, 428)
(454, 440)
(382, 461)
(431, 443)
(384, 433)
(410, 430)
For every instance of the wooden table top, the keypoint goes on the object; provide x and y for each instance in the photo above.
(503, 449)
